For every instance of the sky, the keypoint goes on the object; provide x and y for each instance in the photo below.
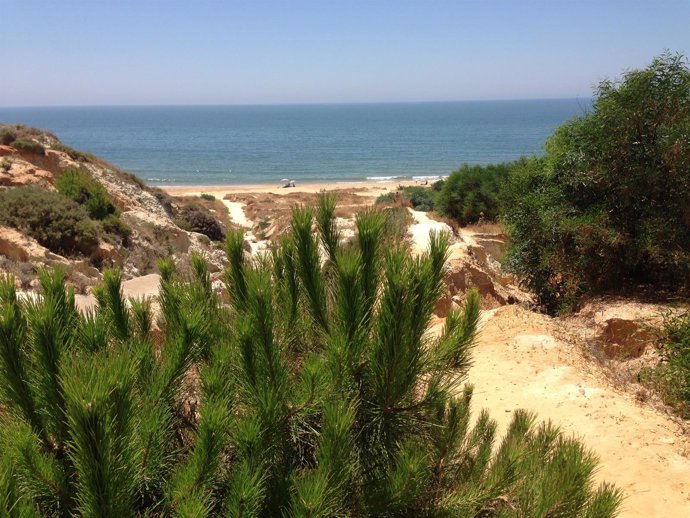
(162, 52)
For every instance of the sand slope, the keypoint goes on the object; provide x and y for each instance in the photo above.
(519, 363)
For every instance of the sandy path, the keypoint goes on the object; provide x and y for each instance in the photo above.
(519, 364)
(419, 231)
(136, 288)
(236, 210)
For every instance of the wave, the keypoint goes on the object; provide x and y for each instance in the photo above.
(385, 178)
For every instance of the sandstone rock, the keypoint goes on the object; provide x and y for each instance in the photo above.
(8, 151)
(21, 172)
(161, 226)
(623, 329)
(21, 248)
(106, 254)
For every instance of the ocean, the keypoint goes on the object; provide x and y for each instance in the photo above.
(216, 145)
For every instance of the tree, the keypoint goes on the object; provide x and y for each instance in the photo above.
(320, 393)
(608, 206)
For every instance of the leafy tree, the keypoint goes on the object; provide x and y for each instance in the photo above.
(608, 205)
(472, 192)
(316, 392)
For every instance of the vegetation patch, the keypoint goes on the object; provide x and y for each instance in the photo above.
(7, 135)
(79, 186)
(608, 206)
(671, 378)
(56, 222)
(74, 154)
(418, 197)
(318, 392)
(27, 145)
(472, 193)
(196, 218)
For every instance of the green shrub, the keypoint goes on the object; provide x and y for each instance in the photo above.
(56, 222)
(207, 197)
(74, 154)
(472, 193)
(317, 393)
(388, 197)
(79, 186)
(671, 378)
(7, 135)
(113, 225)
(608, 206)
(420, 198)
(196, 218)
(27, 145)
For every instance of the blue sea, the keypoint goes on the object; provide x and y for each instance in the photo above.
(215, 145)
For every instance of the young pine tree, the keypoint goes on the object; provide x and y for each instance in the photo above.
(317, 390)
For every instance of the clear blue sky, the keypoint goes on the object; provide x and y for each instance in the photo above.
(103, 52)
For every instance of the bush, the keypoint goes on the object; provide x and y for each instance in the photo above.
(420, 198)
(73, 153)
(27, 145)
(7, 135)
(208, 197)
(79, 186)
(608, 206)
(113, 225)
(671, 378)
(56, 222)
(472, 193)
(385, 198)
(196, 218)
(317, 393)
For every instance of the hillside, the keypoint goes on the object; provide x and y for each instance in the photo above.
(149, 219)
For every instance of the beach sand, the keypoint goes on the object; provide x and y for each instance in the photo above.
(362, 188)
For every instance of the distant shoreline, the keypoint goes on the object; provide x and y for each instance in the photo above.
(365, 188)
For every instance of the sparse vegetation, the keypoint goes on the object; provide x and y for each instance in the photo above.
(418, 197)
(207, 197)
(59, 224)
(320, 395)
(7, 135)
(671, 378)
(608, 206)
(28, 145)
(74, 154)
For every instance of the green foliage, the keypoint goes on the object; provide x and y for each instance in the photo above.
(420, 198)
(7, 136)
(388, 197)
(56, 222)
(608, 206)
(671, 377)
(472, 193)
(74, 154)
(27, 145)
(317, 392)
(196, 218)
(207, 197)
(79, 186)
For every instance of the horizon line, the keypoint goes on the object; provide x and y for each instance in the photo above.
(317, 103)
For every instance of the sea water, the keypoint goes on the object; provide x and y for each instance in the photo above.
(215, 145)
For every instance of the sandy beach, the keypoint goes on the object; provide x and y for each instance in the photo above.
(362, 188)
